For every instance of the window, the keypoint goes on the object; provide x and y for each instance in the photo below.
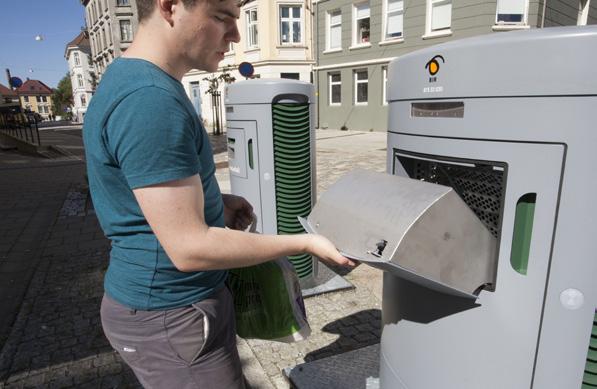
(290, 76)
(77, 59)
(361, 93)
(393, 19)
(290, 24)
(334, 30)
(41, 99)
(335, 90)
(384, 86)
(104, 41)
(252, 36)
(361, 24)
(126, 32)
(439, 16)
(511, 11)
(80, 80)
(122, 3)
(83, 101)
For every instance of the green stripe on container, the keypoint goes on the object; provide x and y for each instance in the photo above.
(523, 230)
(589, 380)
(292, 167)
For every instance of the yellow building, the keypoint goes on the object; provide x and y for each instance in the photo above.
(36, 96)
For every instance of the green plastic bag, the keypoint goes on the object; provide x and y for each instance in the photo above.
(268, 303)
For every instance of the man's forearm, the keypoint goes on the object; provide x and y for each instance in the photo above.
(219, 248)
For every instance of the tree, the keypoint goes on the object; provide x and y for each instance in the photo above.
(62, 97)
(216, 100)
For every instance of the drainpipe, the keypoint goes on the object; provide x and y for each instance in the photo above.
(316, 57)
(543, 15)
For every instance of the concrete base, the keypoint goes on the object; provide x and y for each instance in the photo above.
(325, 281)
(357, 369)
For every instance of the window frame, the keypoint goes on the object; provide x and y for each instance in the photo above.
(329, 15)
(356, 82)
(123, 3)
(429, 31)
(524, 18)
(250, 24)
(129, 30)
(384, 85)
(385, 20)
(80, 81)
(76, 58)
(290, 20)
(355, 21)
(583, 12)
(332, 83)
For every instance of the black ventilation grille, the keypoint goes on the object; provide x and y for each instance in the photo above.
(480, 185)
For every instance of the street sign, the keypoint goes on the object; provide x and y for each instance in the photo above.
(246, 69)
(16, 82)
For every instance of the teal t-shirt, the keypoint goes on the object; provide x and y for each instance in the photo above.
(141, 129)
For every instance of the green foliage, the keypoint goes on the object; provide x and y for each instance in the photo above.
(63, 95)
(214, 81)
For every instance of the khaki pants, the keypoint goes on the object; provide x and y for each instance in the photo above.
(189, 347)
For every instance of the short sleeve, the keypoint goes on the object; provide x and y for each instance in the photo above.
(152, 138)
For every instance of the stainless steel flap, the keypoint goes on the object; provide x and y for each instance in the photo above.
(413, 229)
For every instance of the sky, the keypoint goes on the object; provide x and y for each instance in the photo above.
(57, 21)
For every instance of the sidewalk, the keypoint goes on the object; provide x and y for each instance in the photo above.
(53, 256)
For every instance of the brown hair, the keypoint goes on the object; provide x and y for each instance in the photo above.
(145, 7)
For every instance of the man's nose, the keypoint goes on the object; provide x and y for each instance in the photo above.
(233, 34)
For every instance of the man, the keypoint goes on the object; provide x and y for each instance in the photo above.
(166, 309)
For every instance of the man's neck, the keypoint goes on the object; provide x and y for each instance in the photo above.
(154, 48)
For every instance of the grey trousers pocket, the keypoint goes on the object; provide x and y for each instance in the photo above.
(187, 331)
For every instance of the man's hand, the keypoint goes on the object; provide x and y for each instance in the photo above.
(325, 250)
(238, 213)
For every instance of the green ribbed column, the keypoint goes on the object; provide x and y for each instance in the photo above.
(292, 167)
(589, 380)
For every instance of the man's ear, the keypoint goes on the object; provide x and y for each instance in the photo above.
(166, 9)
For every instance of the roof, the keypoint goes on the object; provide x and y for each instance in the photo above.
(34, 87)
(81, 42)
(4, 91)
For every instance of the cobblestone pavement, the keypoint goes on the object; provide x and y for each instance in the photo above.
(56, 340)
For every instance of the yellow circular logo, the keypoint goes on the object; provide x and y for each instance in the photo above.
(433, 65)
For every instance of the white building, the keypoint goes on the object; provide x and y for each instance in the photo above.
(276, 38)
(78, 56)
(112, 25)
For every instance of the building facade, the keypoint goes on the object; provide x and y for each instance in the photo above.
(36, 97)
(8, 97)
(355, 41)
(276, 38)
(111, 25)
(82, 74)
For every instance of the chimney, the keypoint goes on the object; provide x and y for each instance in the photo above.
(8, 78)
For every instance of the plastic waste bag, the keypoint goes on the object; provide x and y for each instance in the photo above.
(268, 302)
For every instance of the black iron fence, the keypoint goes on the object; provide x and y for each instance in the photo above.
(22, 126)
